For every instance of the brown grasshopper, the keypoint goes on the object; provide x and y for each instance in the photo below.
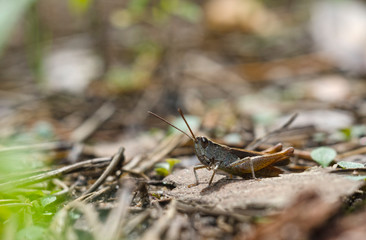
(238, 162)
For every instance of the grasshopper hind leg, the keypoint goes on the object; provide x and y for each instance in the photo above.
(261, 163)
(247, 159)
(252, 168)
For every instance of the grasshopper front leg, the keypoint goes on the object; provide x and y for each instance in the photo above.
(213, 174)
(204, 166)
(252, 164)
(195, 175)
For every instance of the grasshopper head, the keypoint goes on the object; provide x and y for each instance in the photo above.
(200, 147)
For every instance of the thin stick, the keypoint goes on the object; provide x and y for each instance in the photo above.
(357, 151)
(112, 228)
(290, 121)
(158, 228)
(135, 221)
(118, 159)
(94, 195)
(58, 226)
(162, 119)
(181, 113)
(85, 130)
(162, 150)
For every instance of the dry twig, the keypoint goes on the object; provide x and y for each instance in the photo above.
(117, 160)
(59, 225)
(361, 150)
(137, 220)
(164, 148)
(112, 228)
(155, 231)
(90, 125)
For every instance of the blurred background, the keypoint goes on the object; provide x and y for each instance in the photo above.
(247, 57)
(232, 64)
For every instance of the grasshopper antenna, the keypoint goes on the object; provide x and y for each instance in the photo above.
(162, 119)
(290, 121)
(181, 113)
(258, 141)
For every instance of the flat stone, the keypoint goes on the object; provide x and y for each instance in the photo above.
(240, 195)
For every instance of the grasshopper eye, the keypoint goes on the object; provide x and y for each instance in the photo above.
(204, 142)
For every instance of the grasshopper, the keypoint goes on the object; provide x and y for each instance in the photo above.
(234, 161)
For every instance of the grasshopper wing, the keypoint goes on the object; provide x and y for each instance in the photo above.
(244, 153)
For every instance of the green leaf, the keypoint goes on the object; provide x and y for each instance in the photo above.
(346, 165)
(323, 155)
(355, 131)
(172, 162)
(347, 132)
(48, 213)
(32, 233)
(165, 168)
(5, 213)
(162, 172)
(48, 200)
(356, 178)
(162, 169)
(31, 193)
